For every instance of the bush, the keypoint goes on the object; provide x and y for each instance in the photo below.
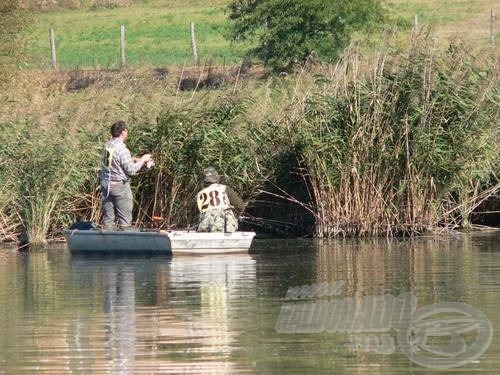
(288, 32)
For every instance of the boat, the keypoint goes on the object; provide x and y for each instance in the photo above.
(173, 242)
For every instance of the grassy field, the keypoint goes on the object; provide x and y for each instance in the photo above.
(157, 34)
(157, 31)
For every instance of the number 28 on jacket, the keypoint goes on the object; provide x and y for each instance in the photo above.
(213, 197)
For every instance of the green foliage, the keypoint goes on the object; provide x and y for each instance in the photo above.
(13, 21)
(184, 142)
(45, 175)
(288, 32)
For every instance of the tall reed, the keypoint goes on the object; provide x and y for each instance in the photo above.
(187, 140)
(45, 173)
(400, 143)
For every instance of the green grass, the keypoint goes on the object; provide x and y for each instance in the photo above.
(450, 17)
(157, 31)
(154, 36)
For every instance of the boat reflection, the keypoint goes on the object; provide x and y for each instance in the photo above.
(169, 315)
(119, 305)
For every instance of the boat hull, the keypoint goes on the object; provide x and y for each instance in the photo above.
(183, 242)
(162, 242)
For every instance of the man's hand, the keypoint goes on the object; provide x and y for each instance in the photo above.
(145, 158)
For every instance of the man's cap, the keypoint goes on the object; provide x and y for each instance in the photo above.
(210, 175)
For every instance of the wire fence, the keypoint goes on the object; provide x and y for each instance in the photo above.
(117, 54)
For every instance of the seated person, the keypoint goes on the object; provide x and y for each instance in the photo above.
(217, 204)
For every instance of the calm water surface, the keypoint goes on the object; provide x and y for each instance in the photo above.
(67, 314)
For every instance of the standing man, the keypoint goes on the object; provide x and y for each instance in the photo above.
(217, 203)
(116, 169)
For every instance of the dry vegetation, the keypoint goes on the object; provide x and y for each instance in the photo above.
(398, 141)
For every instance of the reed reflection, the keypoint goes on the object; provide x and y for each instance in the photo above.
(426, 267)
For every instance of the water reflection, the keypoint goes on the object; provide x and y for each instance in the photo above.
(217, 287)
(119, 305)
(78, 314)
(143, 324)
(434, 269)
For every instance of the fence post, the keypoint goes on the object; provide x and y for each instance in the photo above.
(193, 44)
(492, 28)
(52, 48)
(122, 46)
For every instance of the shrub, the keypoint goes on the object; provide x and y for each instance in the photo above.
(288, 32)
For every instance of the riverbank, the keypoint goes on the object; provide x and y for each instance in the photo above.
(400, 141)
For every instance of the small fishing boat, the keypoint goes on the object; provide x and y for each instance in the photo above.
(158, 241)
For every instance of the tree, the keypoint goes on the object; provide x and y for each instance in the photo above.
(287, 32)
(13, 21)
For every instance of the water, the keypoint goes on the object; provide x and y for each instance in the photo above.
(63, 314)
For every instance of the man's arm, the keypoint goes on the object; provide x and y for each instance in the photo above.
(132, 165)
(235, 200)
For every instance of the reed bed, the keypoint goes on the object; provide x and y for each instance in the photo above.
(186, 141)
(401, 141)
(44, 176)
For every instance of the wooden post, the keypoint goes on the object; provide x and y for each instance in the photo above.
(492, 28)
(193, 44)
(415, 22)
(52, 48)
(122, 46)
(237, 77)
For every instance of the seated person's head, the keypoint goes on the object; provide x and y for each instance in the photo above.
(210, 176)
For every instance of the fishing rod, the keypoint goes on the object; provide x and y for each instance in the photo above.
(277, 225)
